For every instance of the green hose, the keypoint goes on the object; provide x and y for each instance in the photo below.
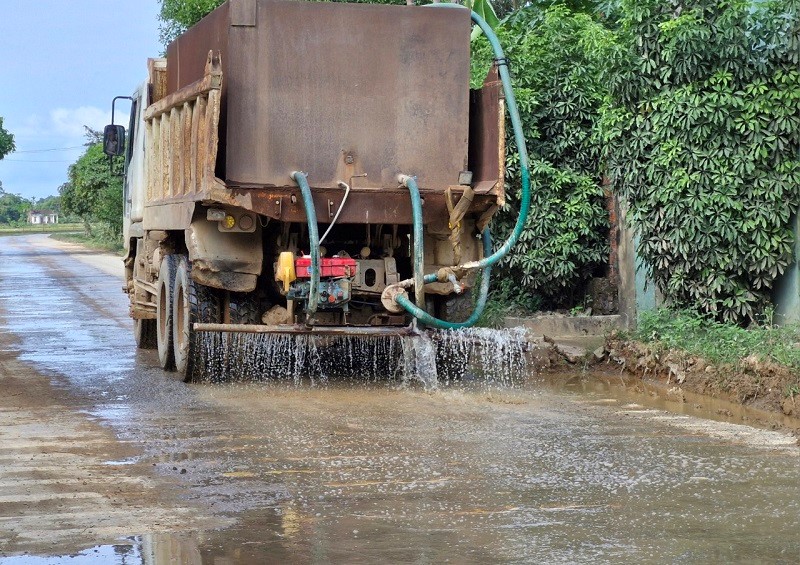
(313, 238)
(480, 305)
(525, 200)
(419, 235)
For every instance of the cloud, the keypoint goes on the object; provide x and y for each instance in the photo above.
(32, 126)
(64, 125)
(70, 122)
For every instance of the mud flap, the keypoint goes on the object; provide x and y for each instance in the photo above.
(224, 260)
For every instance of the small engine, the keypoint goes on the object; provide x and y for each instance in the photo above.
(335, 284)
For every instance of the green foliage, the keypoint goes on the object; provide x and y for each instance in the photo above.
(48, 203)
(6, 141)
(13, 208)
(505, 299)
(94, 192)
(704, 135)
(100, 239)
(485, 10)
(559, 92)
(718, 342)
(178, 15)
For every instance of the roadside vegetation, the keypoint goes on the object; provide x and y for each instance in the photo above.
(93, 193)
(98, 240)
(559, 92)
(27, 229)
(703, 134)
(720, 343)
(757, 366)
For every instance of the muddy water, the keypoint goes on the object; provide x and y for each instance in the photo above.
(374, 472)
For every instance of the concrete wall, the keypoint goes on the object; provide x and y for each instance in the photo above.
(637, 293)
(786, 294)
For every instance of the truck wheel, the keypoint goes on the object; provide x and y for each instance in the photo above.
(164, 300)
(144, 331)
(194, 303)
(244, 308)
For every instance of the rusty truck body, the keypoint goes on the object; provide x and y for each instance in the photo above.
(352, 95)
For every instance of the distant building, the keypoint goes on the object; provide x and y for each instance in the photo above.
(42, 217)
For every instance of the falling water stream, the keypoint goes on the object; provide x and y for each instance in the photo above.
(429, 358)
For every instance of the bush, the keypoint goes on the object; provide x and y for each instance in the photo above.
(559, 92)
(719, 343)
(704, 139)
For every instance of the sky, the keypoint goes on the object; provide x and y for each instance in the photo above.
(61, 63)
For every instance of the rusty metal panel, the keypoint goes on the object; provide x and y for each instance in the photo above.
(338, 90)
(243, 12)
(487, 136)
(182, 139)
(186, 56)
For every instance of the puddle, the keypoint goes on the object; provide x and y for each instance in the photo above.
(627, 392)
(129, 553)
(121, 462)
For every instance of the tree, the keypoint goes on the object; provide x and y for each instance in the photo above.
(559, 92)
(6, 141)
(703, 132)
(178, 15)
(48, 203)
(13, 207)
(93, 191)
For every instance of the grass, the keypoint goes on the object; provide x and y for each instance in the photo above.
(98, 242)
(720, 343)
(27, 229)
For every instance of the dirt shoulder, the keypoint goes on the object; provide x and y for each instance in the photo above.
(753, 382)
(104, 261)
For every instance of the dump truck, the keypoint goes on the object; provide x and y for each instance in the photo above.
(297, 167)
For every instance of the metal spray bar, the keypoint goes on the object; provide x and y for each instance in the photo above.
(376, 331)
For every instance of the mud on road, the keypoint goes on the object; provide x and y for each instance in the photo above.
(65, 479)
(106, 457)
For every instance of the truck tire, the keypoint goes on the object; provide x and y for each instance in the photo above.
(244, 308)
(194, 303)
(144, 332)
(164, 300)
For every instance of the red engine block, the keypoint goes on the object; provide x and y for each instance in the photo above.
(329, 267)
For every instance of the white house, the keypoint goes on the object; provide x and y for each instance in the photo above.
(42, 217)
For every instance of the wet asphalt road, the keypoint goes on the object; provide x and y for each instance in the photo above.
(271, 472)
